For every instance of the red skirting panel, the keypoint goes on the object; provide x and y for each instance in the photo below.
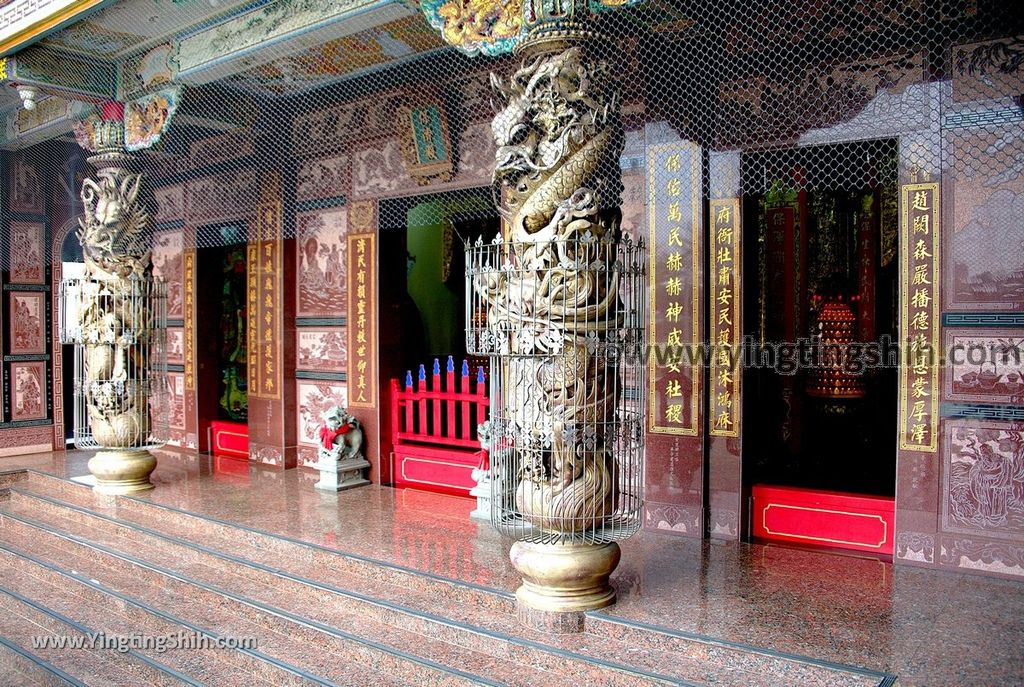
(829, 519)
(447, 471)
(230, 439)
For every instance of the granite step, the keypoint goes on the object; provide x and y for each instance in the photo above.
(25, 622)
(311, 644)
(322, 601)
(483, 617)
(231, 537)
(75, 596)
(22, 668)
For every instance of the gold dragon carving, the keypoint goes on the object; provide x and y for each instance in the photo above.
(558, 187)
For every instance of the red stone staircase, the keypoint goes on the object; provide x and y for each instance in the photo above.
(76, 564)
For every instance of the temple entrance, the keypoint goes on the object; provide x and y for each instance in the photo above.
(821, 311)
(72, 266)
(431, 390)
(222, 374)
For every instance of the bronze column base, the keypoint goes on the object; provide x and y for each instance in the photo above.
(122, 471)
(562, 581)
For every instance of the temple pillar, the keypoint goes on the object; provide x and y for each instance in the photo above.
(564, 296)
(271, 333)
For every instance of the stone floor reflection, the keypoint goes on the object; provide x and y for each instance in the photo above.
(927, 627)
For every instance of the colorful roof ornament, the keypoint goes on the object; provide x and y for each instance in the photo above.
(477, 27)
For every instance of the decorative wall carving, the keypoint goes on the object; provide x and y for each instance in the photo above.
(915, 546)
(28, 391)
(325, 177)
(321, 349)
(234, 145)
(221, 197)
(380, 170)
(25, 249)
(988, 556)
(988, 365)
(176, 406)
(26, 186)
(168, 265)
(988, 70)
(27, 322)
(357, 120)
(176, 346)
(321, 245)
(984, 479)
(985, 247)
(313, 399)
(758, 110)
(170, 203)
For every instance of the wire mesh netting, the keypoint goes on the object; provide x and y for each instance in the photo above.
(775, 97)
(773, 82)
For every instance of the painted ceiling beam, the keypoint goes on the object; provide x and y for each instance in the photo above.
(61, 73)
(51, 118)
(269, 32)
(23, 22)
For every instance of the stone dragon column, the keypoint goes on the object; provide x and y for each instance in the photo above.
(116, 316)
(563, 294)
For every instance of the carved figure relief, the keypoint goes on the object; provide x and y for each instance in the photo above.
(28, 322)
(985, 479)
(28, 398)
(322, 246)
(167, 264)
(26, 186)
(25, 249)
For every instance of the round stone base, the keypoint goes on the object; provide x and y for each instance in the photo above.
(122, 471)
(563, 579)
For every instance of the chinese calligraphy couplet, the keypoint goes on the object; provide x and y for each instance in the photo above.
(362, 309)
(674, 225)
(189, 315)
(725, 316)
(264, 324)
(919, 316)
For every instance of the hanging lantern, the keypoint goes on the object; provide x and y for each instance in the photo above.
(833, 376)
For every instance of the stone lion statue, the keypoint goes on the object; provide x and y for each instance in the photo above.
(341, 435)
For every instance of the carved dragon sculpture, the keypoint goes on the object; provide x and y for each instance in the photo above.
(114, 319)
(558, 186)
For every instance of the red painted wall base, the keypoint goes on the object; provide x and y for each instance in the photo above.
(446, 471)
(829, 519)
(230, 439)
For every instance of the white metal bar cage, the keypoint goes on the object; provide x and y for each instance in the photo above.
(119, 330)
(563, 323)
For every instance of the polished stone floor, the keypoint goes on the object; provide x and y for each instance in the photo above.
(927, 627)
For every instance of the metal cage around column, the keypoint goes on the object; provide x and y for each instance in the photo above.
(563, 323)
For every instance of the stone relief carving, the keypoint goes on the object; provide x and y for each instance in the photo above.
(985, 479)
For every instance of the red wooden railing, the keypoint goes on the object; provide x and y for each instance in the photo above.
(441, 414)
